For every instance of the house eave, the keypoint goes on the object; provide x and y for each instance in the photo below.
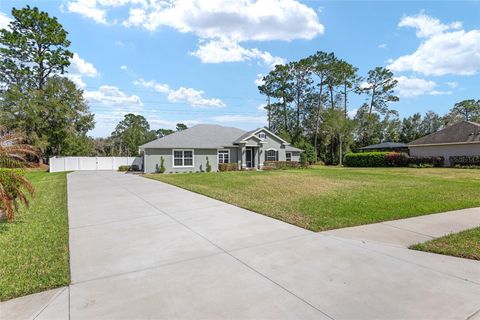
(442, 144)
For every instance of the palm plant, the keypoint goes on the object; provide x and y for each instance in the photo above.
(14, 186)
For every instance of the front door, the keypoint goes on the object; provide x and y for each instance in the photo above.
(250, 158)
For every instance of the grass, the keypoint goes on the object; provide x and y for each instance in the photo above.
(465, 244)
(326, 198)
(34, 248)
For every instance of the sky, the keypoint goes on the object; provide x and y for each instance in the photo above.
(199, 61)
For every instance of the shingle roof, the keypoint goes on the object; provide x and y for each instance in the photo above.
(462, 132)
(385, 145)
(245, 135)
(199, 136)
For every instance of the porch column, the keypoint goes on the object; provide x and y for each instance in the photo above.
(256, 157)
(261, 154)
(243, 157)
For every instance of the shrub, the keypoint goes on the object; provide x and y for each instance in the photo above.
(208, 166)
(366, 159)
(280, 165)
(14, 185)
(227, 167)
(123, 168)
(433, 161)
(162, 165)
(395, 159)
(465, 161)
(390, 159)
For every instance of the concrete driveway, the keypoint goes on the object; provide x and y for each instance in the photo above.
(141, 249)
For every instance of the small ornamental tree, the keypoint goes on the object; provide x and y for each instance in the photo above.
(208, 166)
(162, 165)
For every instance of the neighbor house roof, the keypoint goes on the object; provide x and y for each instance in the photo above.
(203, 136)
(461, 132)
(385, 145)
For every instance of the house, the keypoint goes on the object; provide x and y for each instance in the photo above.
(386, 146)
(460, 139)
(188, 150)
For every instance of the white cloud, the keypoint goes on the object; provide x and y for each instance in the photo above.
(123, 67)
(427, 26)
(152, 84)
(445, 50)
(261, 107)
(190, 96)
(222, 24)
(452, 85)
(412, 87)
(114, 97)
(194, 98)
(259, 80)
(238, 20)
(240, 118)
(88, 9)
(382, 46)
(4, 20)
(225, 50)
(80, 68)
(439, 92)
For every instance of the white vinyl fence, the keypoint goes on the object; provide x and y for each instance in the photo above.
(58, 164)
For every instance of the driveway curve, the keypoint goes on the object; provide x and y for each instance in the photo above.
(142, 249)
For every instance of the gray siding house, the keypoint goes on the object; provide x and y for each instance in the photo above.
(460, 139)
(188, 150)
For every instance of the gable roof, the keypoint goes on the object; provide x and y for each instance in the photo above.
(461, 132)
(203, 136)
(249, 134)
(385, 145)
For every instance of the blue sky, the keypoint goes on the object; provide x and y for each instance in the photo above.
(197, 61)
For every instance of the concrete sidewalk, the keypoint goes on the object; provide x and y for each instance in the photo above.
(406, 232)
(144, 249)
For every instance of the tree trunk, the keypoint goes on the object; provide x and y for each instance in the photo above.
(269, 112)
(340, 150)
(345, 99)
(331, 97)
(371, 102)
(317, 123)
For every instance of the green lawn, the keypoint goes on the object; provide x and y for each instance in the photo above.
(326, 198)
(34, 248)
(465, 244)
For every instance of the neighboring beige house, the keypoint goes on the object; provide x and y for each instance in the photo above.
(460, 139)
(188, 150)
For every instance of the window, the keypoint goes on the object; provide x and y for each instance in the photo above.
(289, 156)
(262, 135)
(182, 158)
(272, 155)
(223, 156)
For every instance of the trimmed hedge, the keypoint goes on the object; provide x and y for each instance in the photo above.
(281, 165)
(366, 159)
(390, 159)
(227, 167)
(432, 161)
(465, 161)
(123, 168)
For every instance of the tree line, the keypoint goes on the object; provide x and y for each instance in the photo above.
(40, 102)
(308, 103)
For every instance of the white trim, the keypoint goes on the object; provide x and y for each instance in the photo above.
(183, 158)
(277, 156)
(271, 133)
(442, 144)
(218, 158)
